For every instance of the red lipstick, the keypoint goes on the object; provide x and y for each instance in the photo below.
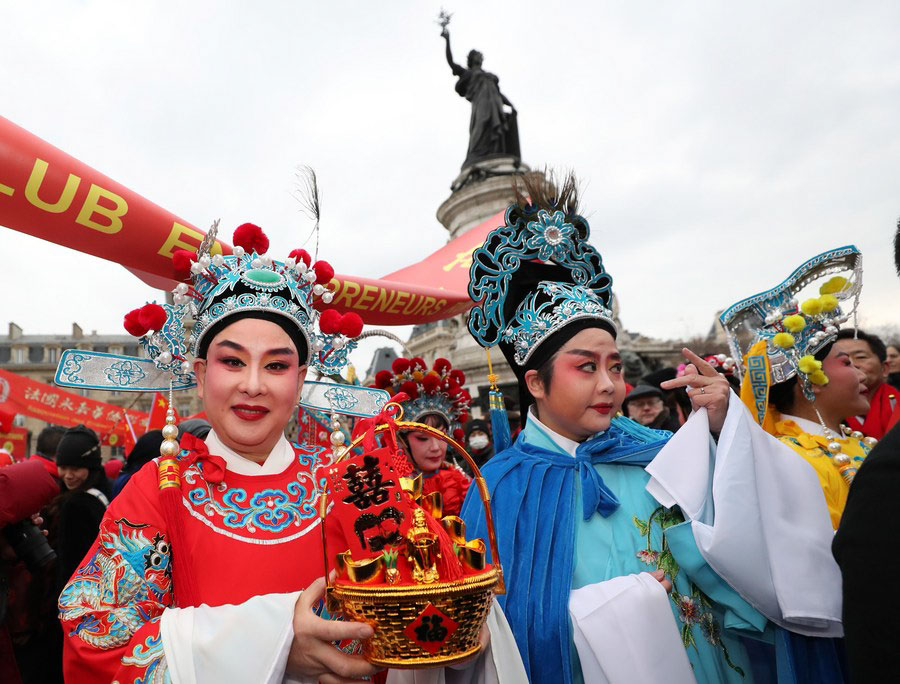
(602, 408)
(250, 412)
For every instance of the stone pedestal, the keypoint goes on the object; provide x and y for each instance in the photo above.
(479, 192)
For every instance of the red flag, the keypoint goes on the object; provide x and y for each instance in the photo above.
(157, 419)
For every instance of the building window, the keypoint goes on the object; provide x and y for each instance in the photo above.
(101, 348)
(115, 349)
(36, 354)
(18, 354)
(53, 354)
(5, 354)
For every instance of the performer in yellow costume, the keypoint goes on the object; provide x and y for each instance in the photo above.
(796, 384)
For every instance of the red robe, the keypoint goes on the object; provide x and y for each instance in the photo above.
(882, 405)
(244, 535)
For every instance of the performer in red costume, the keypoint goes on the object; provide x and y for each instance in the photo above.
(437, 398)
(198, 570)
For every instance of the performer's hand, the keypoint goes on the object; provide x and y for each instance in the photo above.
(708, 389)
(312, 652)
(660, 576)
(445, 33)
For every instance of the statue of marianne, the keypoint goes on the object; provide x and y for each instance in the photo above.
(492, 131)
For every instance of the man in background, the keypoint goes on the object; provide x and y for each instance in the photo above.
(45, 450)
(869, 354)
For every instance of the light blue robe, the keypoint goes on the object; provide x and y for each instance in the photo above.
(538, 505)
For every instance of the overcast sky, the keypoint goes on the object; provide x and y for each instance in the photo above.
(720, 144)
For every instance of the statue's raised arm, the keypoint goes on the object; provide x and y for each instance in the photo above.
(456, 68)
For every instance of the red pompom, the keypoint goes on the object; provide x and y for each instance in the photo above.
(299, 255)
(330, 321)
(409, 387)
(251, 238)
(454, 392)
(458, 434)
(463, 416)
(400, 365)
(351, 323)
(383, 379)
(451, 384)
(430, 383)
(416, 361)
(152, 316)
(463, 398)
(441, 365)
(133, 323)
(324, 272)
(458, 377)
(181, 263)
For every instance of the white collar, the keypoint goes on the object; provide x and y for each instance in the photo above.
(279, 458)
(564, 443)
(808, 426)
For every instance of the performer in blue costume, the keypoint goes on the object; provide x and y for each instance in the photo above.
(604, 583)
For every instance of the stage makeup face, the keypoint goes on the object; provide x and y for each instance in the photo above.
(250, 384)
(427, 452)
(586, 389)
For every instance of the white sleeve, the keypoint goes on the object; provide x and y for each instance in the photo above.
(625, 633)
(248, 642)
(759, 518)
(499, 663)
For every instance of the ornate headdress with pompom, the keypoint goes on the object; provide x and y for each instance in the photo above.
(213, 289)
(784, 334)
(438, 391)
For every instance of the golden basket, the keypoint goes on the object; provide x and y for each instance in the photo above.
(390, 609)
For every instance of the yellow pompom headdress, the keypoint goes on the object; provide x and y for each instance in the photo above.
(782, 334)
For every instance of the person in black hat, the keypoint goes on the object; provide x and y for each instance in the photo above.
(479, 443)
(645, 405)
(80, 508)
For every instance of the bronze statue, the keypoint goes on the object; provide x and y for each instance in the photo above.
(493, 132)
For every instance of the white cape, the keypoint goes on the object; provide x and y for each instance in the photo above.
(759, 518)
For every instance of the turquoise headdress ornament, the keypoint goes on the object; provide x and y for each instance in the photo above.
(533, 276)
(215, 288)
(782, 334)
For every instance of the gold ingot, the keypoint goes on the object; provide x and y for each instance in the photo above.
(412, 485)
(368, 571)
(473, 554)
(433, 504)
(423, 551)
(342, 562)
(456, 528)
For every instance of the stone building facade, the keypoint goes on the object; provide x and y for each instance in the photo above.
(36, 357)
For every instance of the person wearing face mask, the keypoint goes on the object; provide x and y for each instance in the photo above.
(437, 398)
(208, 564)
(478, 441)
